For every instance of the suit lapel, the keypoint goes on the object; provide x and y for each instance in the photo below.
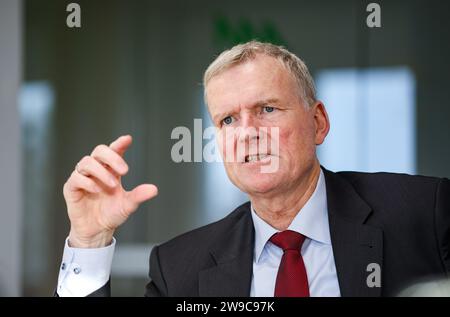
(233, 258)
(355, 244)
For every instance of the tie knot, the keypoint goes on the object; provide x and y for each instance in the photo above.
(288, 240)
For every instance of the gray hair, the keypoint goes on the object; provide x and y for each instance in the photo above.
(248, 51)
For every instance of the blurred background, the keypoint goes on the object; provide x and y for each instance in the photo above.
(136, 67)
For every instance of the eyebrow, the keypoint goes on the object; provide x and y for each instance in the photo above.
(259, 103)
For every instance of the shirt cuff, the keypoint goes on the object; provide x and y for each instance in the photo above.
(83, 271)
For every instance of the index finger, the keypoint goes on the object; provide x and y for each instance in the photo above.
(121, 144)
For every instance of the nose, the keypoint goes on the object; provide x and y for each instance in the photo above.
(248, 129)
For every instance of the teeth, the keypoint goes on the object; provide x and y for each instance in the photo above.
(252, 158)
(262, 156)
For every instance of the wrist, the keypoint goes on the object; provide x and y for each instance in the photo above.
(100, 240)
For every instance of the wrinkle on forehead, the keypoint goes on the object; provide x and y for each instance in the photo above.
(243, 85)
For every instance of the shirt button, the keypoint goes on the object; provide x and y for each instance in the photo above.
(77, 270)
(63, 266)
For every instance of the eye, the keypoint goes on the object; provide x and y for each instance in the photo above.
(228, 120)
(268, 109)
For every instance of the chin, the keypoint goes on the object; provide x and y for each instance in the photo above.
(259, 184)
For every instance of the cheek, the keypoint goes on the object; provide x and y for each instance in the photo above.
(220, 142)
(226, 143)
(296, 142)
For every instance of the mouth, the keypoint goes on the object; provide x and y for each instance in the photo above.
(256, 158)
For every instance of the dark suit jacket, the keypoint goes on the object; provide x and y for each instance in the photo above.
(398, 221)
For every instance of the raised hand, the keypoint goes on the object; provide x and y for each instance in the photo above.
(96, 201)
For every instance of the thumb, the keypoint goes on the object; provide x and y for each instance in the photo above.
(138, 195)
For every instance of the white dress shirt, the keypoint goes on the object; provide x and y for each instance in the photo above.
(83, 271)
(317, 252)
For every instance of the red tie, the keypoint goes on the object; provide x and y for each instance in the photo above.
(292, 280)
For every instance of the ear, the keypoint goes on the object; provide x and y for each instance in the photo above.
(322, 124)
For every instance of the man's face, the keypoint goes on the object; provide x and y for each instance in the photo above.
(255, 100)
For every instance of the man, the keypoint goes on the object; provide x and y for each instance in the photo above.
(305, 232)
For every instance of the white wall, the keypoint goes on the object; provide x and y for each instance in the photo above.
(10, 154)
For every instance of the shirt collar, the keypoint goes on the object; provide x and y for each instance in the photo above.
(311, 220)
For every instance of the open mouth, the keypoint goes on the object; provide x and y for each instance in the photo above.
(256, 158)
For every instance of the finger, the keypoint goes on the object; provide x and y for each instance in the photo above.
(106, 155)
(138, 195)
(78, 182)
(89, 166)
(121, 144)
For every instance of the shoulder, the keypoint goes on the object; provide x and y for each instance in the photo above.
(392, 194)
(203, 238)
(384, 176)
(180, 259)
(392, 183)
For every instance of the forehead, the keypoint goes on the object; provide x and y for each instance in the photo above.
(261, 78)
